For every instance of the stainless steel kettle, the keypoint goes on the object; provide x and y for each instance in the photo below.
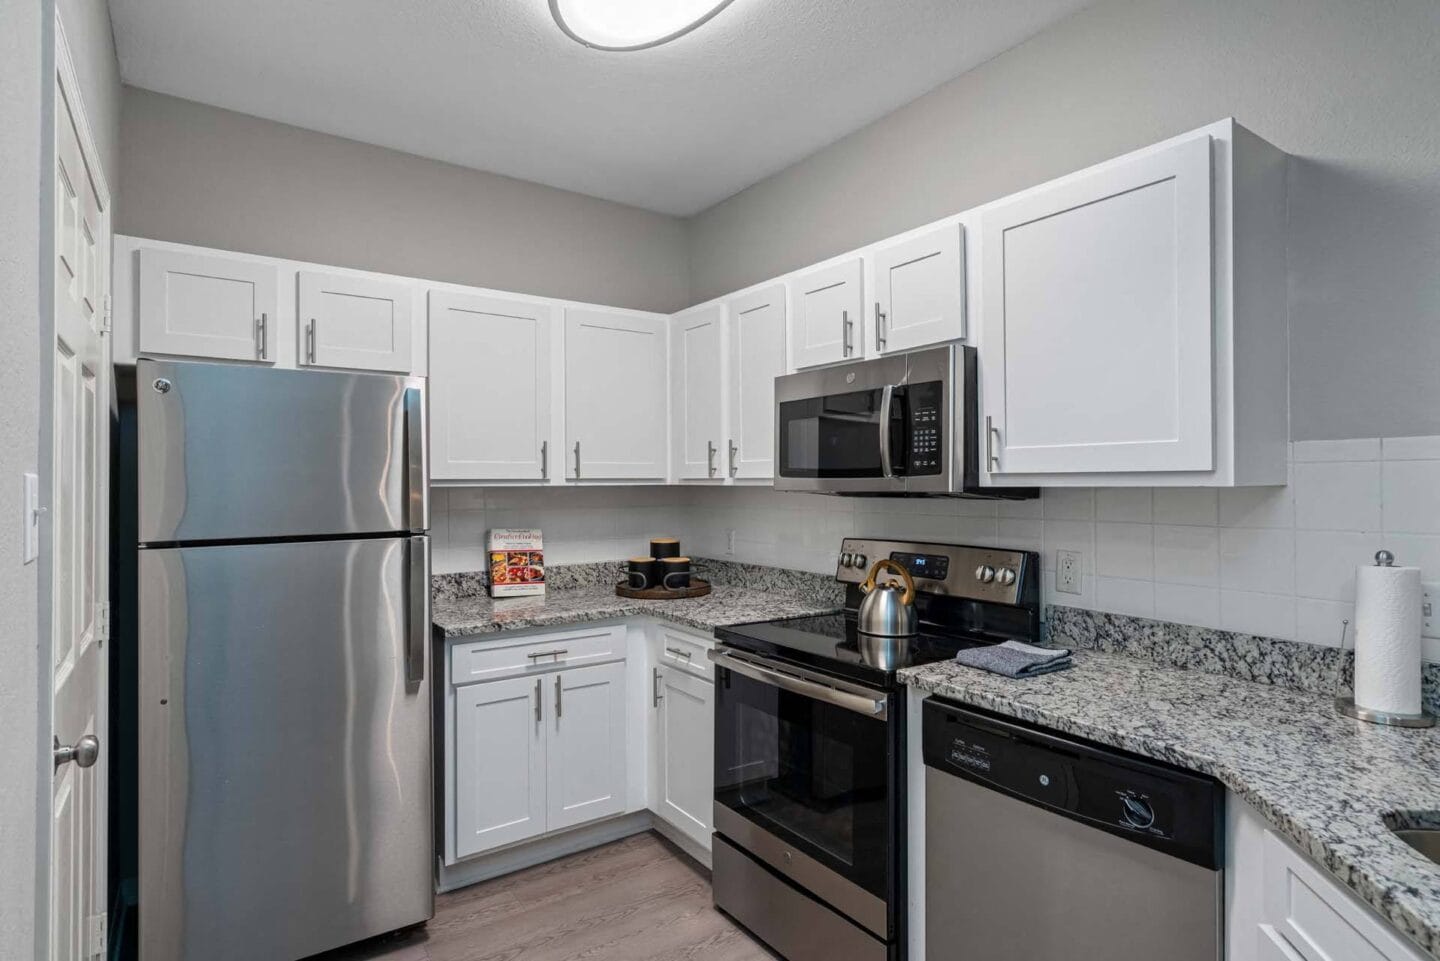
(888, 609)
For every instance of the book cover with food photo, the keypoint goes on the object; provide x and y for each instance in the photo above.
(517, 562)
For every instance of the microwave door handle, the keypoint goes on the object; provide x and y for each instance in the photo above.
(887, 398)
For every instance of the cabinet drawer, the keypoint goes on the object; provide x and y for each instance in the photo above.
(487, 660)
(686, 652)
(1319, 919)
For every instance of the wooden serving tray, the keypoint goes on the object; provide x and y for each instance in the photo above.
(697, 588)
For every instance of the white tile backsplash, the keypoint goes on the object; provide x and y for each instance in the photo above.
(1269, 560)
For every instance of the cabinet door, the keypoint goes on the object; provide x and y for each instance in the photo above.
(192, 305)
(359, 323)
(829, 303)
(696, 360)
(615, 395)
(489, 388)
(499, 764)
(685, 792)
(1096, 306)
(920, 291)
(757, 357)
(586, 774)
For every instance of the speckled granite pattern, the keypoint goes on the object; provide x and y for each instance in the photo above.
(1328, 783)
(1266, 660)
(725, 604)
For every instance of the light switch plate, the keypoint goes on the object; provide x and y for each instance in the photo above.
(1430, 610)
(30, 520)
(1068, 572)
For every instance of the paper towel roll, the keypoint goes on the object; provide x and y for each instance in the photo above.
(1387, 639)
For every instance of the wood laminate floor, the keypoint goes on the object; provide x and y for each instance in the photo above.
(638, 899)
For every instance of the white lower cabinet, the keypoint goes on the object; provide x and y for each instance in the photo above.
(684, 750)
(499, 763)
(585, 746)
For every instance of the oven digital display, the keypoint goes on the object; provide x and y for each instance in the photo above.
(936, 567)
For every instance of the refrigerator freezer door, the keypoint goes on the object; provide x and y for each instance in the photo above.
(285, 755)
(239, 453)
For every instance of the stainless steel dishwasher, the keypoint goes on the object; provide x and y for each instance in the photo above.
(1040, 847)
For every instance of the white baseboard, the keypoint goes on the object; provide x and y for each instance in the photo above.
(684, 842)
(527, 854)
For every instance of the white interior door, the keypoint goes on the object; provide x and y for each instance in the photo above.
(359, 323)
(757, 357)
(489, 388)
(920, 290)
(696, 365)
(78, 498)
(1097, 312)
(829, 302)
(616, 395)
(585, 746)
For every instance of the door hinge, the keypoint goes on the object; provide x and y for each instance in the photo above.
(102, 621)
(105, 320)
(98, 937)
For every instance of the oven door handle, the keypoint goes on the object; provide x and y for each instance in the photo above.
(859, 703)
(887, 398)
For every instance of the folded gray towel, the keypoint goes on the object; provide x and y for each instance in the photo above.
(1016, 659)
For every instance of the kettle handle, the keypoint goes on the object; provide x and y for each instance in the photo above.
(886, 564)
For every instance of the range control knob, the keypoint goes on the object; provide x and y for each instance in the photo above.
(859, 560)
(1005, 576)
(846, 558)
(985, 573)
(1137, 812)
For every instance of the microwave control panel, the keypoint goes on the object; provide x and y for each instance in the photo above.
(925, 452)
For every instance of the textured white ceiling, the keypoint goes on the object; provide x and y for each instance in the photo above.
(495, 85)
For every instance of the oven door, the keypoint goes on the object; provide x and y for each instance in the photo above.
(805, 781)
(840, 429)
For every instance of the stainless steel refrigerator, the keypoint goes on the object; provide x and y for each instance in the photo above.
(284, 707)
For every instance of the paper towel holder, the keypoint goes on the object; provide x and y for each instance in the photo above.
(1347, 705)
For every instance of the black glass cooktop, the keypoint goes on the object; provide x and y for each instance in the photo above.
(832, 643)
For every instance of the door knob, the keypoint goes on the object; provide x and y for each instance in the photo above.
(84, 752)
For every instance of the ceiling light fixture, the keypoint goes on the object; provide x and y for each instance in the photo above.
(631, 24)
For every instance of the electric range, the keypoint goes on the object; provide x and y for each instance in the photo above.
(809, 816)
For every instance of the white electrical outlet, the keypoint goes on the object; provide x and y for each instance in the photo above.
(1430, 610)
(1068, 571)
(730, 542)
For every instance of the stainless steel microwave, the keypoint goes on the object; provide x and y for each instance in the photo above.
(902, 425)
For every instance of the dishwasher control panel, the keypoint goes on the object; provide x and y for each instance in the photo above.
(1151, 803)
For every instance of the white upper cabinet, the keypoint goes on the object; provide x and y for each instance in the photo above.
(615, 395)
(757, 357)
(352, 321)
(1121, 343)
(192, 305)
(490, 387)
(919, 290)
(829, 308)
(586, 745)
(697, 392)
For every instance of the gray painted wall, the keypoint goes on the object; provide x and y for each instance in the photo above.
(1351, 90)
(21, 70)
(198, 174)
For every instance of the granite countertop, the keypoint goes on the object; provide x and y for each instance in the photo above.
(1328, 783)
(725, 604)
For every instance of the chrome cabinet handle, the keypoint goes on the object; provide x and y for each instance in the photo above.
(655, 696)
(710, 457)
(84, 752)
(880, 340)
(537, 700)
(310, 342)
(733, 451)
(262, 335)
(559, 702)
(577, 460)
(558, 653)
(544, 460)
(887, 398)
(992, 461)
(846, 346)
(678, 653)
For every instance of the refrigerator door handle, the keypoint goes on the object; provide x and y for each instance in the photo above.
(417, 627)
(417, 473)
